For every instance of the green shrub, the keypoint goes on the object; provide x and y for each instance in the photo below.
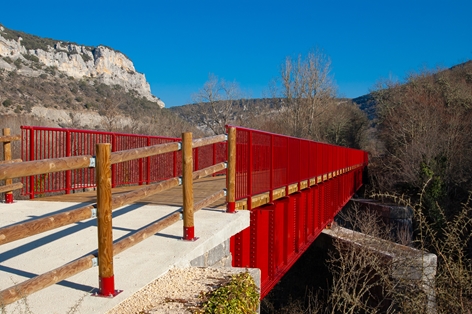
(7, 103)
(51, 70)
(85, 57)
(18, 63)
(32, 58)
(240, 295)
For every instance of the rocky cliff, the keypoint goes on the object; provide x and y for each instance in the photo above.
(32, 56)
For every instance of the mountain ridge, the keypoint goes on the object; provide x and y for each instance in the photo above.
(32, 56)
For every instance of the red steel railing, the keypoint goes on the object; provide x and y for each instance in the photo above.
(303, 184)
(45, 143)
(267, 161)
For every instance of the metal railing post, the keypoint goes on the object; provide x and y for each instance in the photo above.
(231, 172)
(68, 154)
(32, 134)
(249, 172)
(104, 221)
(148, 163)
(187, 186)
(113, 167)
(271, 173)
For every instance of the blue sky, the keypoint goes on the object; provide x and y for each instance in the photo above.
(177, 44)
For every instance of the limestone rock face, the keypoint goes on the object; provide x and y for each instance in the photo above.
(102, 63)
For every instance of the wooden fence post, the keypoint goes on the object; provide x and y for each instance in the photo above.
(231, 172)
(104, 221)
(6, 157)
(187, 186)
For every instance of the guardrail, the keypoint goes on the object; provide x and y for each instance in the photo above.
(294, 188)
(106, 203)
(270, 166)
(45, 143)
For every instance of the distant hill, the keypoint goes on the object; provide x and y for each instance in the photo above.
(367, 104)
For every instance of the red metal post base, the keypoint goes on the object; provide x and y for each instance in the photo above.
(231, 207)
(9, 198)
(107, 288)
(189, 234)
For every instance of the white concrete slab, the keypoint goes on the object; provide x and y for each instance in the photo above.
(133, 268)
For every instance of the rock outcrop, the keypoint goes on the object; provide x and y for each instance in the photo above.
(106, 65)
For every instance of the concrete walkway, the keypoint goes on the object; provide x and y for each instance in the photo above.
(133, 268)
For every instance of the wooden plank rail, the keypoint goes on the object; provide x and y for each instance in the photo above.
(209, 200)
(9, 138)
(21, 290)
(31, 168)
(143, 152)
(199, 174)
(10, 161)
(136, 195)
(11, 187)
(208, 140)
(145, 233)
(36, 226)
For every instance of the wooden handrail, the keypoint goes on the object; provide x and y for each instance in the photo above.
(10, 161)
(133, 196)
(42, 281)
(44, 166)
(145, 233)
(199, 142)
(11, 187)
(143, 152)
(31, 168)
(209, 200)
(40, 225)
(205, 172)
(9, 138)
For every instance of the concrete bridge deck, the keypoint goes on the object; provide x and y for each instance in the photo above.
(133, 268)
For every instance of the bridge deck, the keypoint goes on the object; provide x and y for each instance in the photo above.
(202, 188)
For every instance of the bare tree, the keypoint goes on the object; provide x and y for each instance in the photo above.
(307, 87)
(425, 127)
(216, 103)
(111, 116)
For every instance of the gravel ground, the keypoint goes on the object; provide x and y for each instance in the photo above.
(176, 292)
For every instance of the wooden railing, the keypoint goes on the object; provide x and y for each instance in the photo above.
(9, 186)
(106, 203)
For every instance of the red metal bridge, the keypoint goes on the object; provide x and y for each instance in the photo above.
(293, 187)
